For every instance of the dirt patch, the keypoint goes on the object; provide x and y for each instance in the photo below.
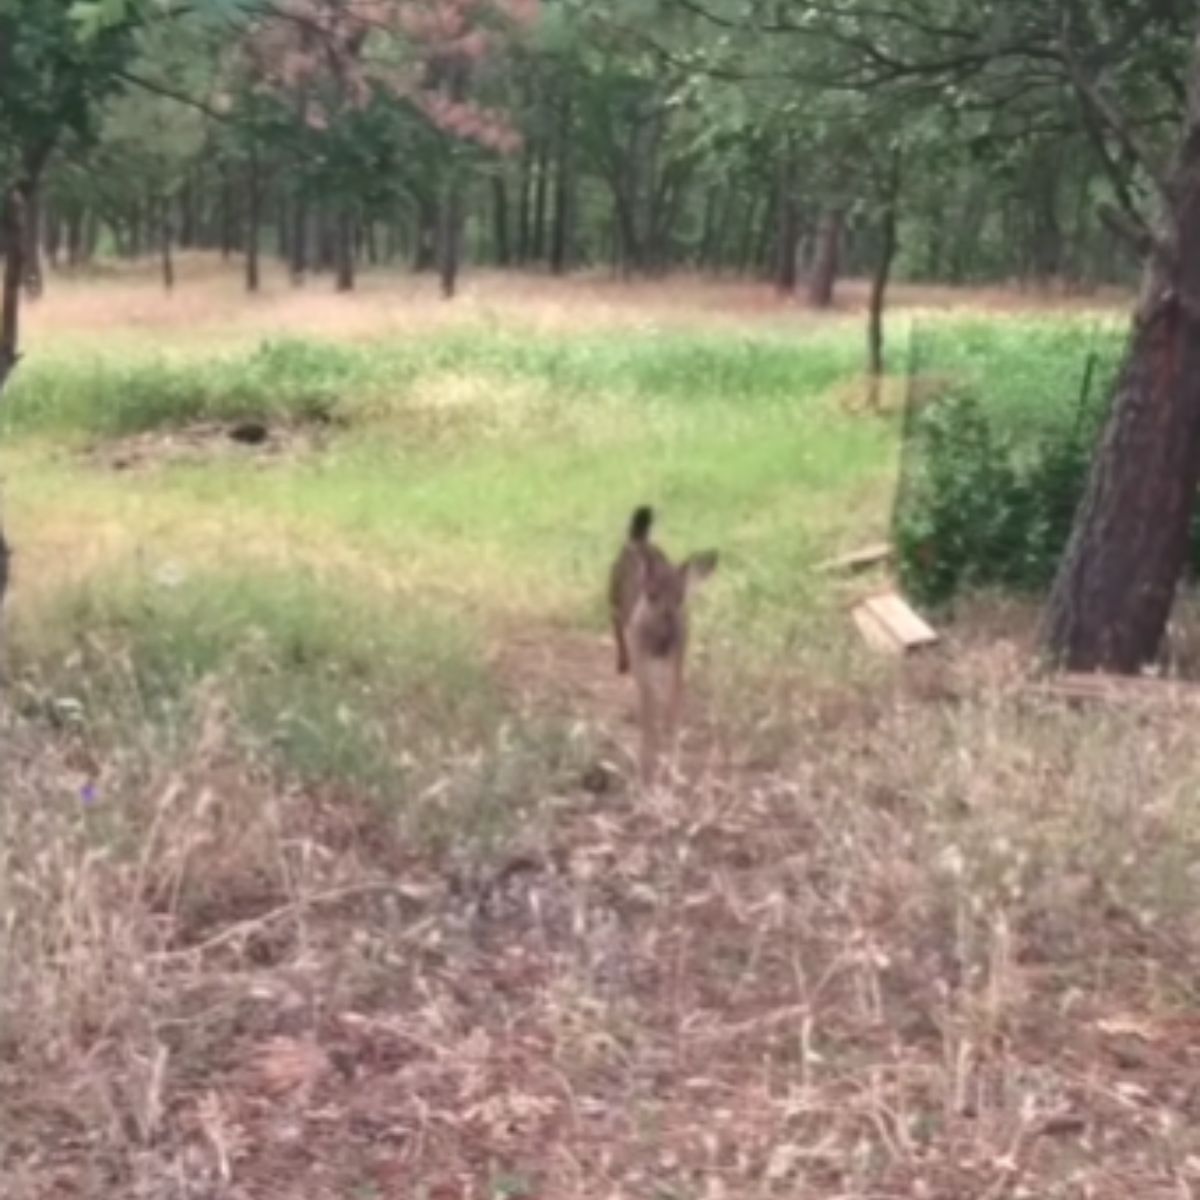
(253, 441)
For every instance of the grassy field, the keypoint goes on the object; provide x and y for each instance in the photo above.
(321, 873)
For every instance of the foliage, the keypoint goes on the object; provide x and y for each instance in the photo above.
(983, 510)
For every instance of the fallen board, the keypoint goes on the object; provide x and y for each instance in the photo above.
(888, 624)
(858, 560)
(1117, 689)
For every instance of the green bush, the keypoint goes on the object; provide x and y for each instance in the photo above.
(981, 509)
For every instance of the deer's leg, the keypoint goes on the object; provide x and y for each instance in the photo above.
(675, 699)
(647, 717)
(622, 645)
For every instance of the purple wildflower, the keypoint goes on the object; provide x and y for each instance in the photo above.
(88, 794)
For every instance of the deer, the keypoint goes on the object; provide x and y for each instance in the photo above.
(648, 600)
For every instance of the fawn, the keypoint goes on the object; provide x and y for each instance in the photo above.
(648, 599)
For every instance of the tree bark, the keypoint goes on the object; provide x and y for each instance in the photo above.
(345, 249)
(253, 221)
(788, 218)
(53, 239)
(503, 250)
(33, 278)
(298, 242)
(1112, 597)
(226, 213)
(560, 237)
(538, 248)
(828, 258)
(450, 237)
(76, 240)
(14, 239)
(886, 256)
(166, 237)
(523, 206)
(188, 224)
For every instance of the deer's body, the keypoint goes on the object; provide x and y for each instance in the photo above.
(648, 597)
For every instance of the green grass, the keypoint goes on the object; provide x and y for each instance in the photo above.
(331, 685)
(480, 477)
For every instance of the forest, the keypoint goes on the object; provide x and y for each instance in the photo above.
(597, 599)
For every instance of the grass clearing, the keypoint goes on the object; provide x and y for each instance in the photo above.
(320, 873)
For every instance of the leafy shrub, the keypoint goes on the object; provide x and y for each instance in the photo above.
(982, 509)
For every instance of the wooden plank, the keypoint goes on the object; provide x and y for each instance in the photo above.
(887, 622)
(873, 631)
(858, 560)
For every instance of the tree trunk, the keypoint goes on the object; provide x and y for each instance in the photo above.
(425, 247)
(15, 208)
(283, 230)
(523, 206)
(560, 238)
(828, 258)
(133, 246)
(298, 241)
(188, 225)
(705, 252)
(345, 249)
(33, 279)
(76, 239)
(746, 243)
(226, 214)
(788, 219)
(253, 222)
(503, 250)
(450, 237)
(538, 249)
(327, 254)
(53, 222)
(879, 282)
(762, 245)
(166, 236)
(1112, 598)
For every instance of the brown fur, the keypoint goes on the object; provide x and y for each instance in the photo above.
(648, 599)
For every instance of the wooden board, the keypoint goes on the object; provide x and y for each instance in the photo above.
(887, 623)
(858, 560)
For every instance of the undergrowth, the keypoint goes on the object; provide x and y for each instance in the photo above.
(330, 686)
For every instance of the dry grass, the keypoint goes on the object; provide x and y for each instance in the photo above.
(938, 947)
(210, 308)
(904, 932)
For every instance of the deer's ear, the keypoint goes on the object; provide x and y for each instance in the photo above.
(698, 567)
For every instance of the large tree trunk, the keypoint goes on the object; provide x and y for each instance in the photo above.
(1112, 598)
(828, 258)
